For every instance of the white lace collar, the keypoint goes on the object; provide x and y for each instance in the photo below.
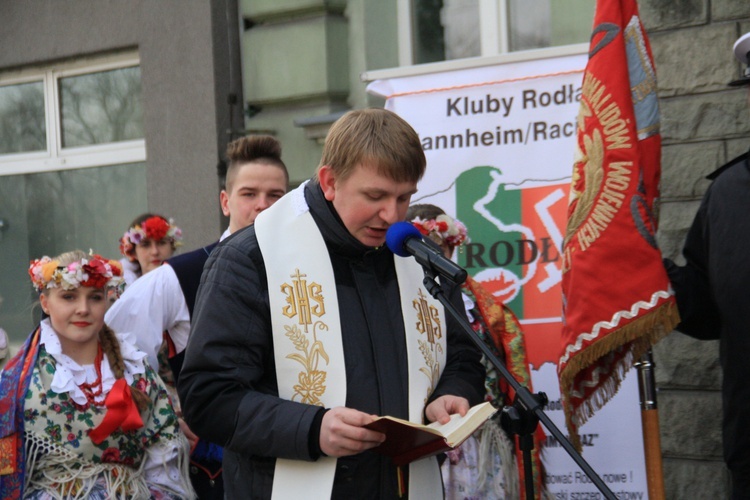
(69, 374)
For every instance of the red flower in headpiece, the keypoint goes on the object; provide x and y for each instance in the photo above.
(423, 230)
(116, 268)
(97, 271)
(155, 228)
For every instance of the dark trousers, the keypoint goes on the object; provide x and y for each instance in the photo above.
(207, 480)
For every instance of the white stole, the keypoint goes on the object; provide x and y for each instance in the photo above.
(308, 349)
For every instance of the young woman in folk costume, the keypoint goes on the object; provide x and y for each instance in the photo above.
(82, 414)
(149, 241)
(487, 465)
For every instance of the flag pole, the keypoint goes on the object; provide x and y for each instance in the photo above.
(650, 422)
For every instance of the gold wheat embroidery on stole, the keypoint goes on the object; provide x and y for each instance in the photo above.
(305, 300)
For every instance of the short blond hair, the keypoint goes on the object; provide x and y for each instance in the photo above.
(377, 138)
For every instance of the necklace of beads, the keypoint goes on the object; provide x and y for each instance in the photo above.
(94, 389)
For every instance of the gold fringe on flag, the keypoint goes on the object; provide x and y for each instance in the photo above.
(629, 343)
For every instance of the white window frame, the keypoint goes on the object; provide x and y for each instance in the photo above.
(56, 157)
(493, 32)
(494, 44)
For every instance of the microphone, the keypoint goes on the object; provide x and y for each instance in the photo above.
(404, 239)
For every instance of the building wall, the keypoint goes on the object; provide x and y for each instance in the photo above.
(705, 123)
(301, 61)
(186, 78)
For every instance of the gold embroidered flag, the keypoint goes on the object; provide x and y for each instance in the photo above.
(617, 300)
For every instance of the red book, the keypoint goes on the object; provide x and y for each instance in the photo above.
(406, 441)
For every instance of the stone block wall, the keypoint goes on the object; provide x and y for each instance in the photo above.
(705, 123)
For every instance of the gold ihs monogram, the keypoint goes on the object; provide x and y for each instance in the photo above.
(428, 319)
(428, 323)
(303, 299)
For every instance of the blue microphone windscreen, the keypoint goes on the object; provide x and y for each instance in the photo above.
(397, 235)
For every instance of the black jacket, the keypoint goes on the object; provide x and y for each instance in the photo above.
(228, 383)
(713, 297)
(188, 268)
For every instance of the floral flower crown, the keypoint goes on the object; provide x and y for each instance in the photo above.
(94, 271)
(154, 228)
(442, 229)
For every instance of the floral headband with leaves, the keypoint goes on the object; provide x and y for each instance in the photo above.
(94, 271)
(154, 228)
(442, 229)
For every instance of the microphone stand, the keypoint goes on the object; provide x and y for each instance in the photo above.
(523, 416)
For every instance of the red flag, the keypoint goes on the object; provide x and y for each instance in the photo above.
(617, 300)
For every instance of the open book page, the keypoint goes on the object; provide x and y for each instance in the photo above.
(459, 428)
(407, 441)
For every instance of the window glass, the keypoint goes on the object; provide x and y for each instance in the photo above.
(572, 21)
(460, 20)
(66, 198)
(535, 24)
(450, 29)
(52, 212)
(102, 107)
(22, 124)
(529, 23)
(428, 31)
(445, 30)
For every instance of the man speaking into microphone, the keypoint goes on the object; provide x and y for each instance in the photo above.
(307, 327)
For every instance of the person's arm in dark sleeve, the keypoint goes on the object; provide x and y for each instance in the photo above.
(228, 384)
(699, 315)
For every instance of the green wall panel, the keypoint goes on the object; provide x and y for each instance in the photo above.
(297, 60)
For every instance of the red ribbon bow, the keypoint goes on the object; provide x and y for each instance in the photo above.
(122, 412)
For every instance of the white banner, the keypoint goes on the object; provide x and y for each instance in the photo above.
(499, 143)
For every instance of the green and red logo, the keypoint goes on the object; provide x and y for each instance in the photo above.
(516, 233)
